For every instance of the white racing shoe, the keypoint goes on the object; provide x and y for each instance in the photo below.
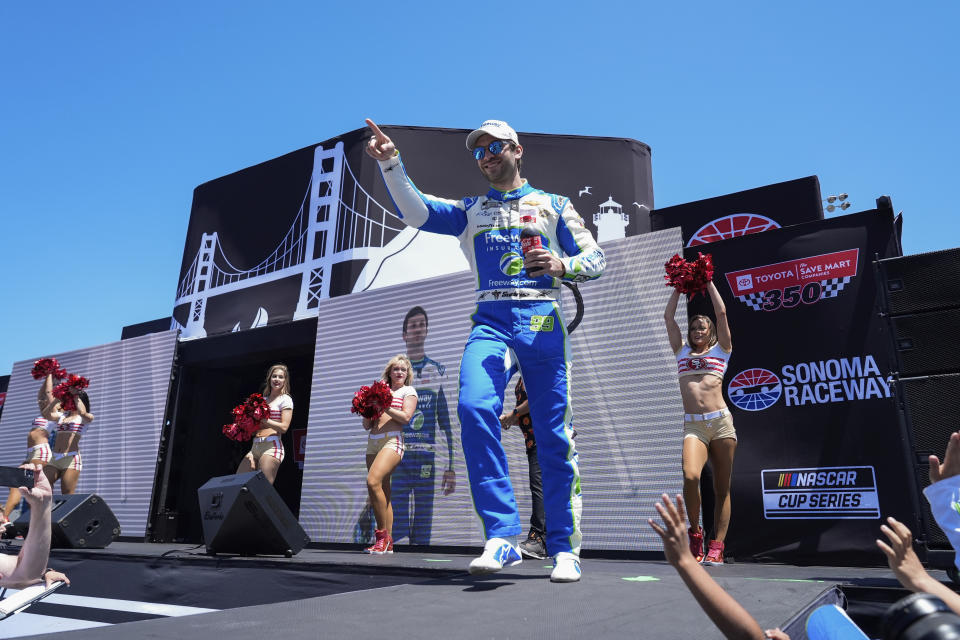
(497, 554)
(566, 567)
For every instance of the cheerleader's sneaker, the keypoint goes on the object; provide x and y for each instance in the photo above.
(714, 557)
(566, 567)
(696, 543)
(383, 545)
(497, 554)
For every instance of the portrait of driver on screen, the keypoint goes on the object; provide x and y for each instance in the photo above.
(414, 480)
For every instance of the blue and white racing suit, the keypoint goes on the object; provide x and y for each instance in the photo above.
(518, 313)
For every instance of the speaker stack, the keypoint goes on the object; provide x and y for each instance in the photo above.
(922, 300)
(78, 521)
(244, 514)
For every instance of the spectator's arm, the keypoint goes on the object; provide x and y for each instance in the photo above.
(725, 612)
(906, 566)
(28, 567)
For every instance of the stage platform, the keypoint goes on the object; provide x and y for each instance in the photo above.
(137, 590)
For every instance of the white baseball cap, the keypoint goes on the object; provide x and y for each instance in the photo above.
(496, 128)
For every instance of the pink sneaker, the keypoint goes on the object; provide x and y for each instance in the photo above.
(380, 545)
(714, 556)
(696, 542)
(383, 545)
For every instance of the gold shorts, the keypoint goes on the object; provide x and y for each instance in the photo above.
(268, 446)
(64, 461)
(41, 452)
(709, 430)
(392, 440)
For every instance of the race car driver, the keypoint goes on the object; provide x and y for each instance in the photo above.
(518, 310)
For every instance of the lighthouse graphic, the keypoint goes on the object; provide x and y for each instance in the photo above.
(610, 220)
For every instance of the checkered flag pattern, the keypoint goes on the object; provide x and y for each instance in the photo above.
(833, 286)
(753, 300)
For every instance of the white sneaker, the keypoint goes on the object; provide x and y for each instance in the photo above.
(566, 567)
(497, 554)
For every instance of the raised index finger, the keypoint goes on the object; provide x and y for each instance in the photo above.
(381, 136)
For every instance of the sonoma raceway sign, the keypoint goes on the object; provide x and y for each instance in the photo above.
(803, 383)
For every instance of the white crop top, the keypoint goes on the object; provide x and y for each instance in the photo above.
(713, 362)
(42, 423)
(73, 425)
(278, 405)
(400, 394)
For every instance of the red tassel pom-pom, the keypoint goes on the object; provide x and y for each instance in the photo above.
(370, 402)
(65, 391)
(689, 277)
(246, 418)
(46, 366)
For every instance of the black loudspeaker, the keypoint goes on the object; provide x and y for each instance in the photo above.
(929, 402)
(79, 521)
(244, 514)
(922, 282)
(925, 342)
(931, 411)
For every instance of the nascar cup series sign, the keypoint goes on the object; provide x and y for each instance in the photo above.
(819, 493)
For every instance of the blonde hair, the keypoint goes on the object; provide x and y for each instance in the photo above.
(286, 379)
(395, 360)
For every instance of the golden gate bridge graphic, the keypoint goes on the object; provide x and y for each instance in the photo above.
(338, 220)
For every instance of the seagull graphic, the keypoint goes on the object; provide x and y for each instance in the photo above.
(585, 190)
(642, 207)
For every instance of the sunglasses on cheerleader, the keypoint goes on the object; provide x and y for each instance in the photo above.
(495, 148)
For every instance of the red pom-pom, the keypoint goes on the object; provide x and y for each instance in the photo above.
(246, 418)
(46, 366)
(67, 390)
(690, 277)
(370, 402)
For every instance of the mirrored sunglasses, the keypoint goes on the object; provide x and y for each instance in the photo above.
(495, 148)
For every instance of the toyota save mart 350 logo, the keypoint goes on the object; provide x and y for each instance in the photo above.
(787, 284)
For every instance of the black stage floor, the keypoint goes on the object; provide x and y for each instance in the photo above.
(135, 590)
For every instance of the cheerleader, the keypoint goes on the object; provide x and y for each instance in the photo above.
(385, 448)
(267, 452)
(38, 453)
(65, 463)
(707, 425)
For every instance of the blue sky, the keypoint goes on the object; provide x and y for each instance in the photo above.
(112, 112)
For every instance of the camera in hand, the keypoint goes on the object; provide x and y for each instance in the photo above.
(920, 616)
(16, 477)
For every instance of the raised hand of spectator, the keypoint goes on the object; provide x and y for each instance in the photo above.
(41, 493)
(906, 566)
(951, 461)
(730, 617)
(902, 559)
(674, 531)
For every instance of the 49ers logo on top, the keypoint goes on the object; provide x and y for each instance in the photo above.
(788, 284)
